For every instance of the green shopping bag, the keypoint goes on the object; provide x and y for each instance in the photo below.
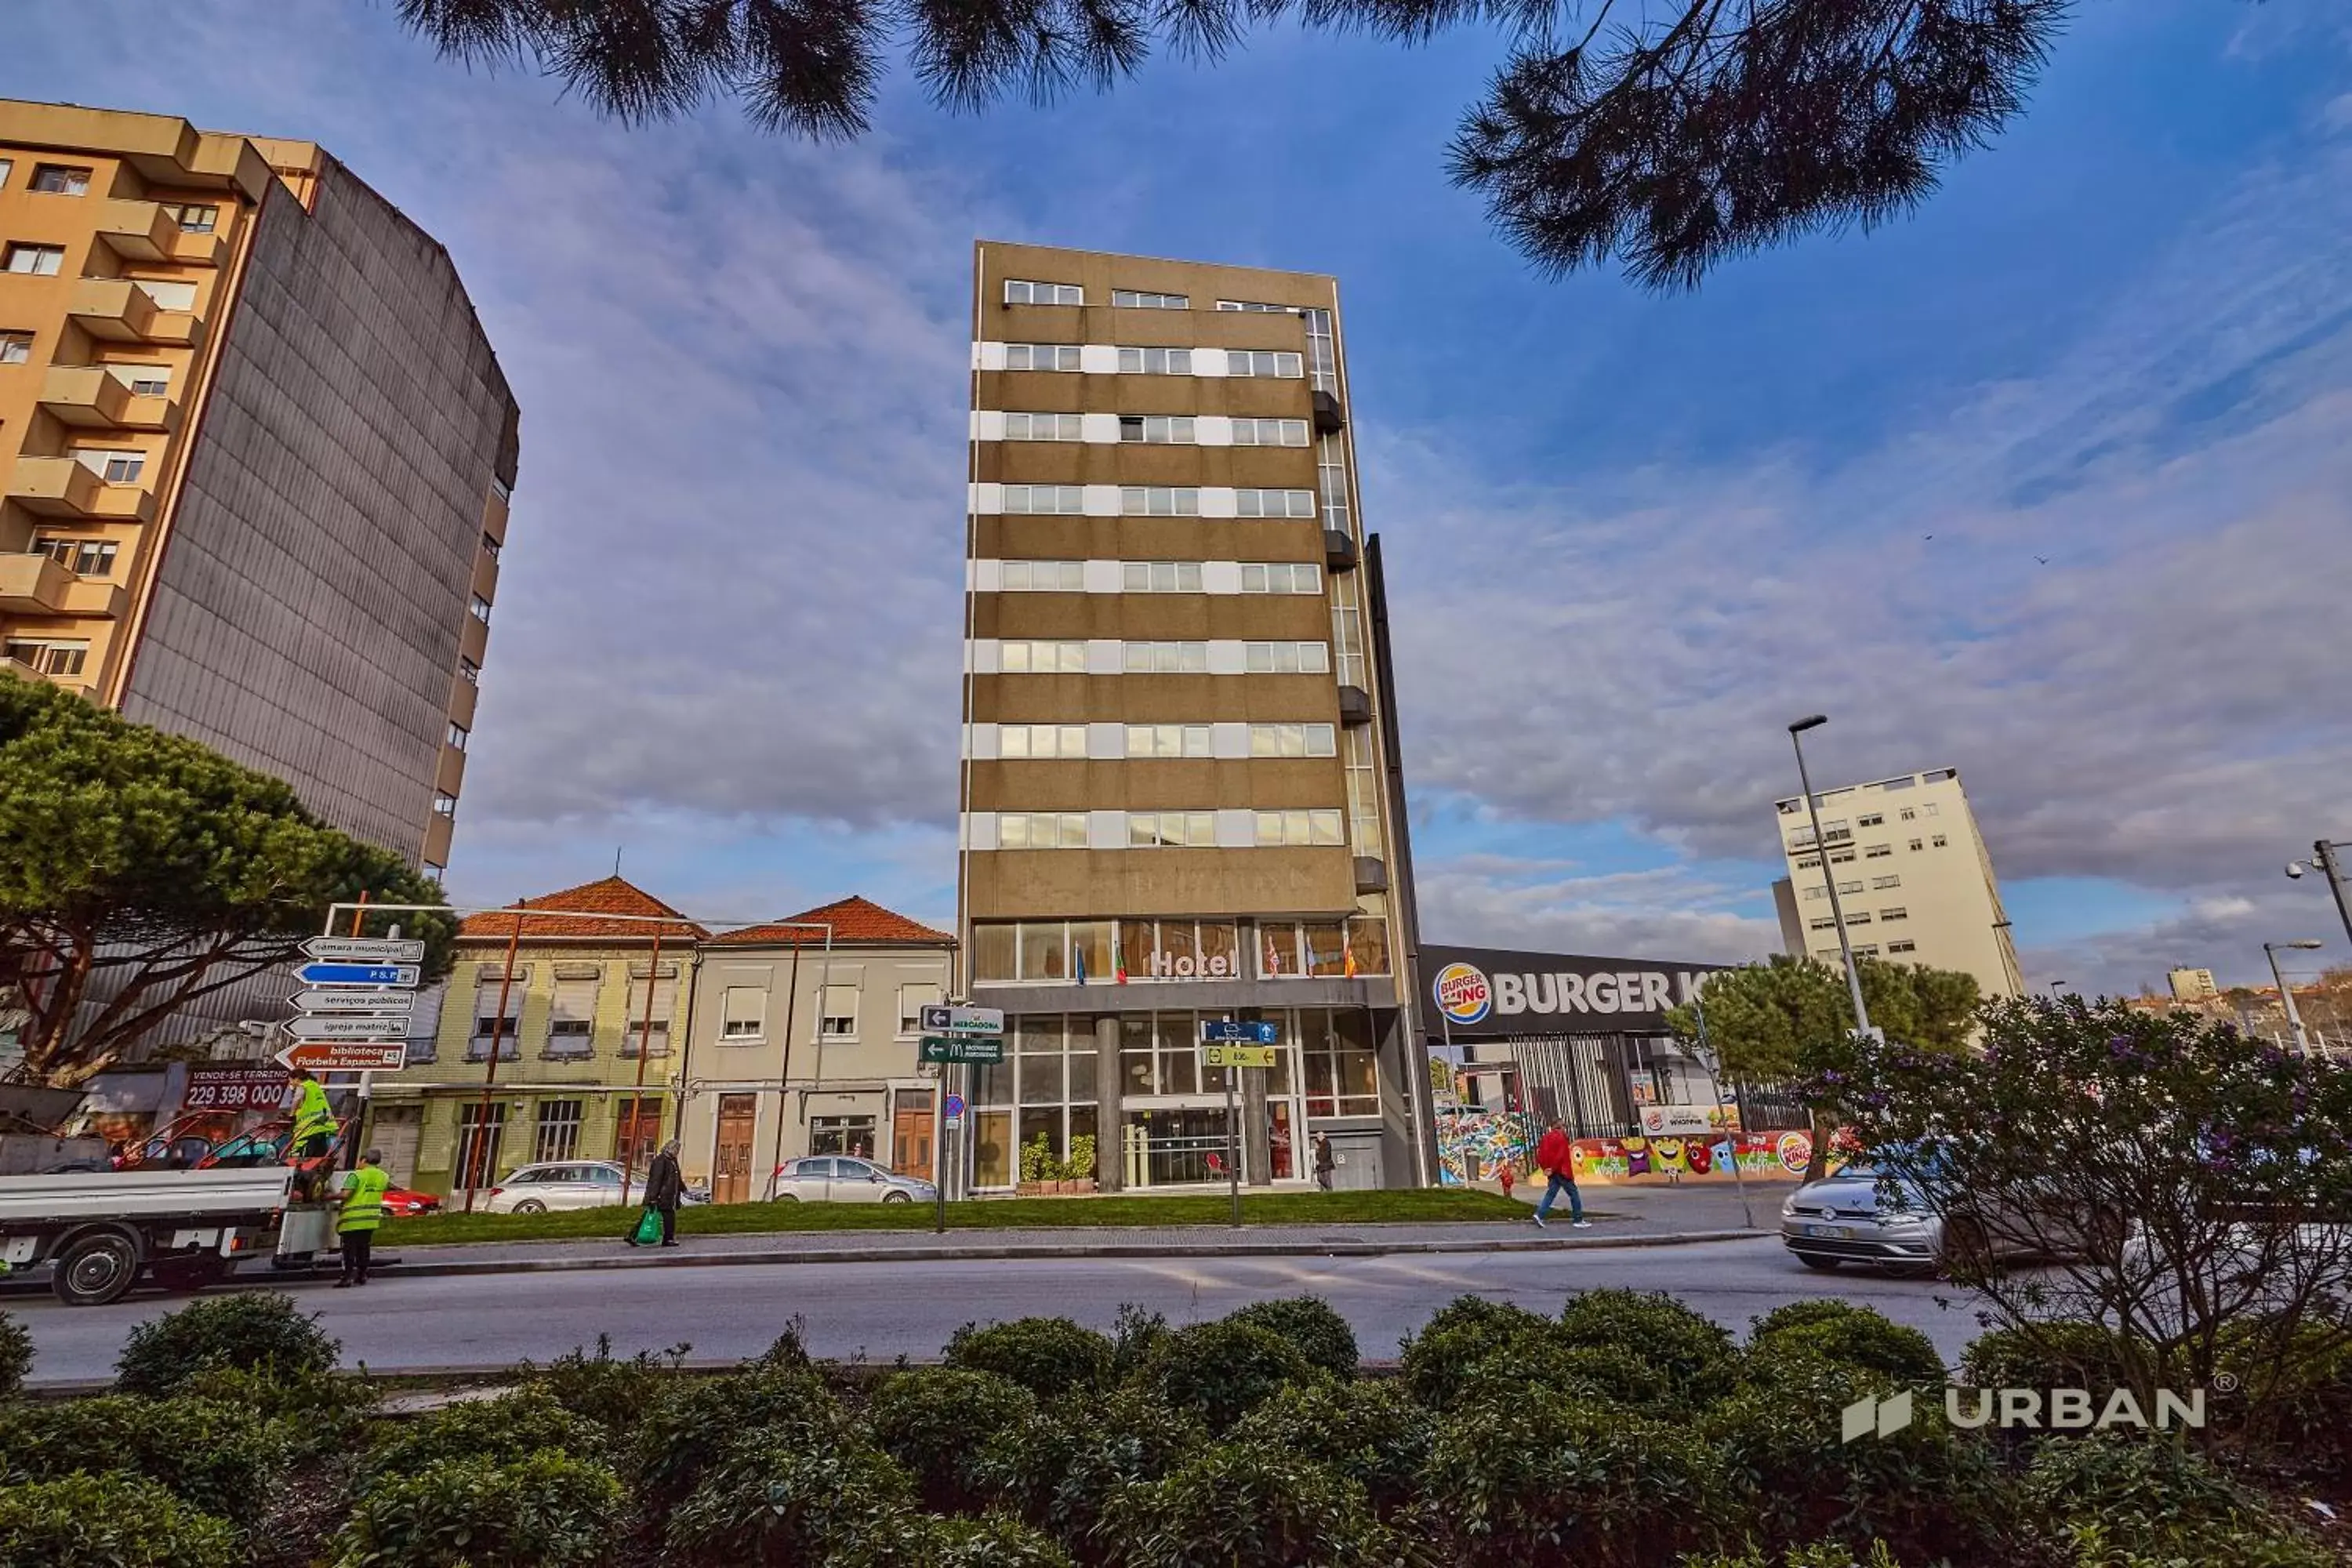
(649, 1231)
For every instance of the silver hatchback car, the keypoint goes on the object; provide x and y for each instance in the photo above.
(846, 1179)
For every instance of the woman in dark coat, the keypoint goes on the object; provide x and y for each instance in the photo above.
(665, 1188)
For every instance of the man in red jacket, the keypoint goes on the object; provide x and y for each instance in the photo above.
(1558, 1160)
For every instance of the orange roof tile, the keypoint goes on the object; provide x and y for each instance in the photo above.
(608, 896)
(855, 921)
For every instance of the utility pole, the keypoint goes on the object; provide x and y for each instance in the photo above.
(491, 1073)
(1828, 878)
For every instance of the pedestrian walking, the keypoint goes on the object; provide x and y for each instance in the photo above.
(314, 1119)
(665, 1187)
(1324, 1161)
(361, 1215)
(1557, 1159)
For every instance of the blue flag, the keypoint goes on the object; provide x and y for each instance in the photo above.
(1082, 966)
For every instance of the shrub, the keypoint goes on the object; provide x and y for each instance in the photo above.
(1370, 1433)
(494, 1432)
(771, 1503)
(934, 1420)
(689, 1428)
(1134, 1335)
(1050, 1357)
(1244, 1503)
(108, 1521)
(1551, 1479)
(788, 1354)
(2101, 1499)
(1696, 1352)
(218, 1458)
(1850, 1336)
(2049, 1355)
(1313, 1329)
(1828, 1554)
(15, 1355)
(1221, 1371)
(1604, 1374)
(1061, 1472)
(318, 1416)
(252, 1331)
(2296, 1407)
(994, 1541)
(600, 1388)
(549, 1511)
(1457, 1338)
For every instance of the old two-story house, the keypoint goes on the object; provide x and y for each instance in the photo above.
(794, 1050)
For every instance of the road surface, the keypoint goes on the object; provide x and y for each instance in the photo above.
(882, 1310)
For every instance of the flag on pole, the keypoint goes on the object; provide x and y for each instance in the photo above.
(1082, 966)
(1118, 961)
(1348, 965)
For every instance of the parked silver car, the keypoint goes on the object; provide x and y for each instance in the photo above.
(846, 1179)
(559, 1184)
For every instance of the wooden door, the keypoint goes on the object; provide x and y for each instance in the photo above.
(731, 1173)
(910, 1133)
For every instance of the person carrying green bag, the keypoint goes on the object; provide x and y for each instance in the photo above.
(664, 1186)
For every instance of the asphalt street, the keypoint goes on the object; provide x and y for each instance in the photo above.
(881, 1311)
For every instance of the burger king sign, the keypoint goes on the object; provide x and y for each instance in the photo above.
(1463, 994)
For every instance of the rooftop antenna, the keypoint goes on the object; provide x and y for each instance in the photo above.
(616, 858)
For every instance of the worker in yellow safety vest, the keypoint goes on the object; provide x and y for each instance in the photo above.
(363, 1213)
(314, 1119)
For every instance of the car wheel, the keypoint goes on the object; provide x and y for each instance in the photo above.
(1812, 1260)
(186, 1276)
(897, 1198)
(529, 1205)
(95, 1270)
(1965, 1249)
(788, 1197)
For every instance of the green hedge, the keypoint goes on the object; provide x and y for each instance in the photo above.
(108, 1521)
(220, 1459)
(1051, 1357)
(15, 1355)
(253, 1331)
(1313, 1329)
(936, 1421)
(545, 1510)
(1222, 1371)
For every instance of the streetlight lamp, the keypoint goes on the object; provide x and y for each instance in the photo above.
(2286, 996)
(2053, 988)
(1828, 878)
(2323, 861)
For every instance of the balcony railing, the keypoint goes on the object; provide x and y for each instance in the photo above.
(94, 399)
(146, 231)
(118, 311)
(35, 582)
(65, 486)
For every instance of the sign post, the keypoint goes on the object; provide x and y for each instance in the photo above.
(1223, 1045)
(954, 1036)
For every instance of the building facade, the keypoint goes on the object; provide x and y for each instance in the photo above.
(255, 459)
(797, 1049)
(585, 1019)
(1914, 877)
(1181, 794)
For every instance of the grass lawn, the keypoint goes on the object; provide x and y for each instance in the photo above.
(1417, 1205)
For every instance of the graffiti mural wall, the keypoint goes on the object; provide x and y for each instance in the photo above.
(1484, 1141)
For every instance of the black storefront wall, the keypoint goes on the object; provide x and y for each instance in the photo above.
(1491, 994)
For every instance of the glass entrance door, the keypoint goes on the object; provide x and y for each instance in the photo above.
(1173, 1145)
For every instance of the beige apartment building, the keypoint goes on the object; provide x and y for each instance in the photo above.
(1181, 796)
(1913, 875)
(255, 459)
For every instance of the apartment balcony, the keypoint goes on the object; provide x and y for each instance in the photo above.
(1328, 418)
(1355, 706)
(145, 231)
(1338, 551)
(61, 486)
(88, 396)
(23, 672)
(1371, 874)
(34, 583)
(119, 311)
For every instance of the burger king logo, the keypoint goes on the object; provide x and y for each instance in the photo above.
(1463, 994)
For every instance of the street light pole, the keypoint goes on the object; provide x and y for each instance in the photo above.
(2054, 989)
(2324, 862)
(2286, 993)
(1828, 878)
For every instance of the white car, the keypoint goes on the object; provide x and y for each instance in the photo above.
(843, 1179)
(561, 1184)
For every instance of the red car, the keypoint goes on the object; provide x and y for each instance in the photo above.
(266, 1145)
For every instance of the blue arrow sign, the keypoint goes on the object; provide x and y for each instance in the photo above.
(1225, 1031)
(357, 974)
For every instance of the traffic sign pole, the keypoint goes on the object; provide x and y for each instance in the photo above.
(1233, 1145)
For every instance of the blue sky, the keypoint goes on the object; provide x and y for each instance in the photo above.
(1630, 535)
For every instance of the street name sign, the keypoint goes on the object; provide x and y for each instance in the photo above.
(939, 1020)
(346, 1056)
(352, 1026)
(365, 949)
(962, 1048)
(1237, 1056)
(1228, 1031)
(384, 1001)
(357, 974)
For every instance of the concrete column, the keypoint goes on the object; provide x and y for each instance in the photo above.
(1254, 1172)
(1110, 1171)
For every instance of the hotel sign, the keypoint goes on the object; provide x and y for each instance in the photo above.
(1485, 992)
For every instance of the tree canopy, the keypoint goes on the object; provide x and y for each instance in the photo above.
(1670, 136)
(140, 871)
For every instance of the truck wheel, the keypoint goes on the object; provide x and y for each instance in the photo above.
(187, 1276)
(95, 1270)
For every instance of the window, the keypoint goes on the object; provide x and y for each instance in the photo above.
(1858, 918)
(1165, 658)
(571, 1019)
(1018, 740)
(1242, 362)
(1273, 503)
(1041, 830)
(1159, 576)
(1042, 658)
(1052, 501)
(1158, 500)
(913, 998)
(16, 348)
(501, 488)
(83, 557)
(1910, 813)
(1929, 808)
(1865, 950)
(1269, 432)
(167, 293)
(488, 1020)
(1902, 947)
(1898, 913)
(490, 547)
(7, 167)
(44, 655)
(1363, 793)
(1291, 741)
(1823, 924)
(1043, 576)
(468, 671)
(1155, 361)
(481, 1129)
(1255, 308)
(840, 1014)
(636, 1136)
(557, 1134)
(1286, 658)
(443, 803)
(39, 260)
(1018, 292)
(115, 465)
(653, 993)
(1044, 427)
(1158, 429)
(1841, 857)
(1817, 892)
(1168, 740)
(1128, 300)
(432, 874)
(196, 217)
(1879, 851)
(1282, 577)
(743, 1013)
(479, 609)
(1317, 949)
(1295, 828)
(1853, 887)
(849, 1135)
(1881, 883)
(1343, 1075)
(459, 736)
(1938, 840)
(1875, 819)
(1041, 356)
(1171, 829)
(59, 180)
(1919, 843)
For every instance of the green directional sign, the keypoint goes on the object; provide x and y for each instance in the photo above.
(962, 1048)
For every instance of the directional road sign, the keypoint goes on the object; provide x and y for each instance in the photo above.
(365, 950)
(939, 1020)
(355, 1001)
(354, 1026)
(1226, 1031)
(357, 974)
(1237, 1056)
(962, 1049)
(346, 1056)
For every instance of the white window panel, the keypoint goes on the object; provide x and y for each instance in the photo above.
(980, 742)
(1098, 359)
(1158, 500)
(1221, 576)
(1106, 741)
(1104, 655)
(980, 830)
(1227, 658)
(1041, 356)
(1034, 426)
(1104, 577)
(984, 576)
(1229, 741)
(1155, 361)
(1106, 830)
(1217, 501)
(1236, 828)
(1023, 291)
(168, 293)
(1258, 363)
(1132, 299)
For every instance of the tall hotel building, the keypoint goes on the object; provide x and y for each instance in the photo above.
(255, 456)
(1181, 800)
